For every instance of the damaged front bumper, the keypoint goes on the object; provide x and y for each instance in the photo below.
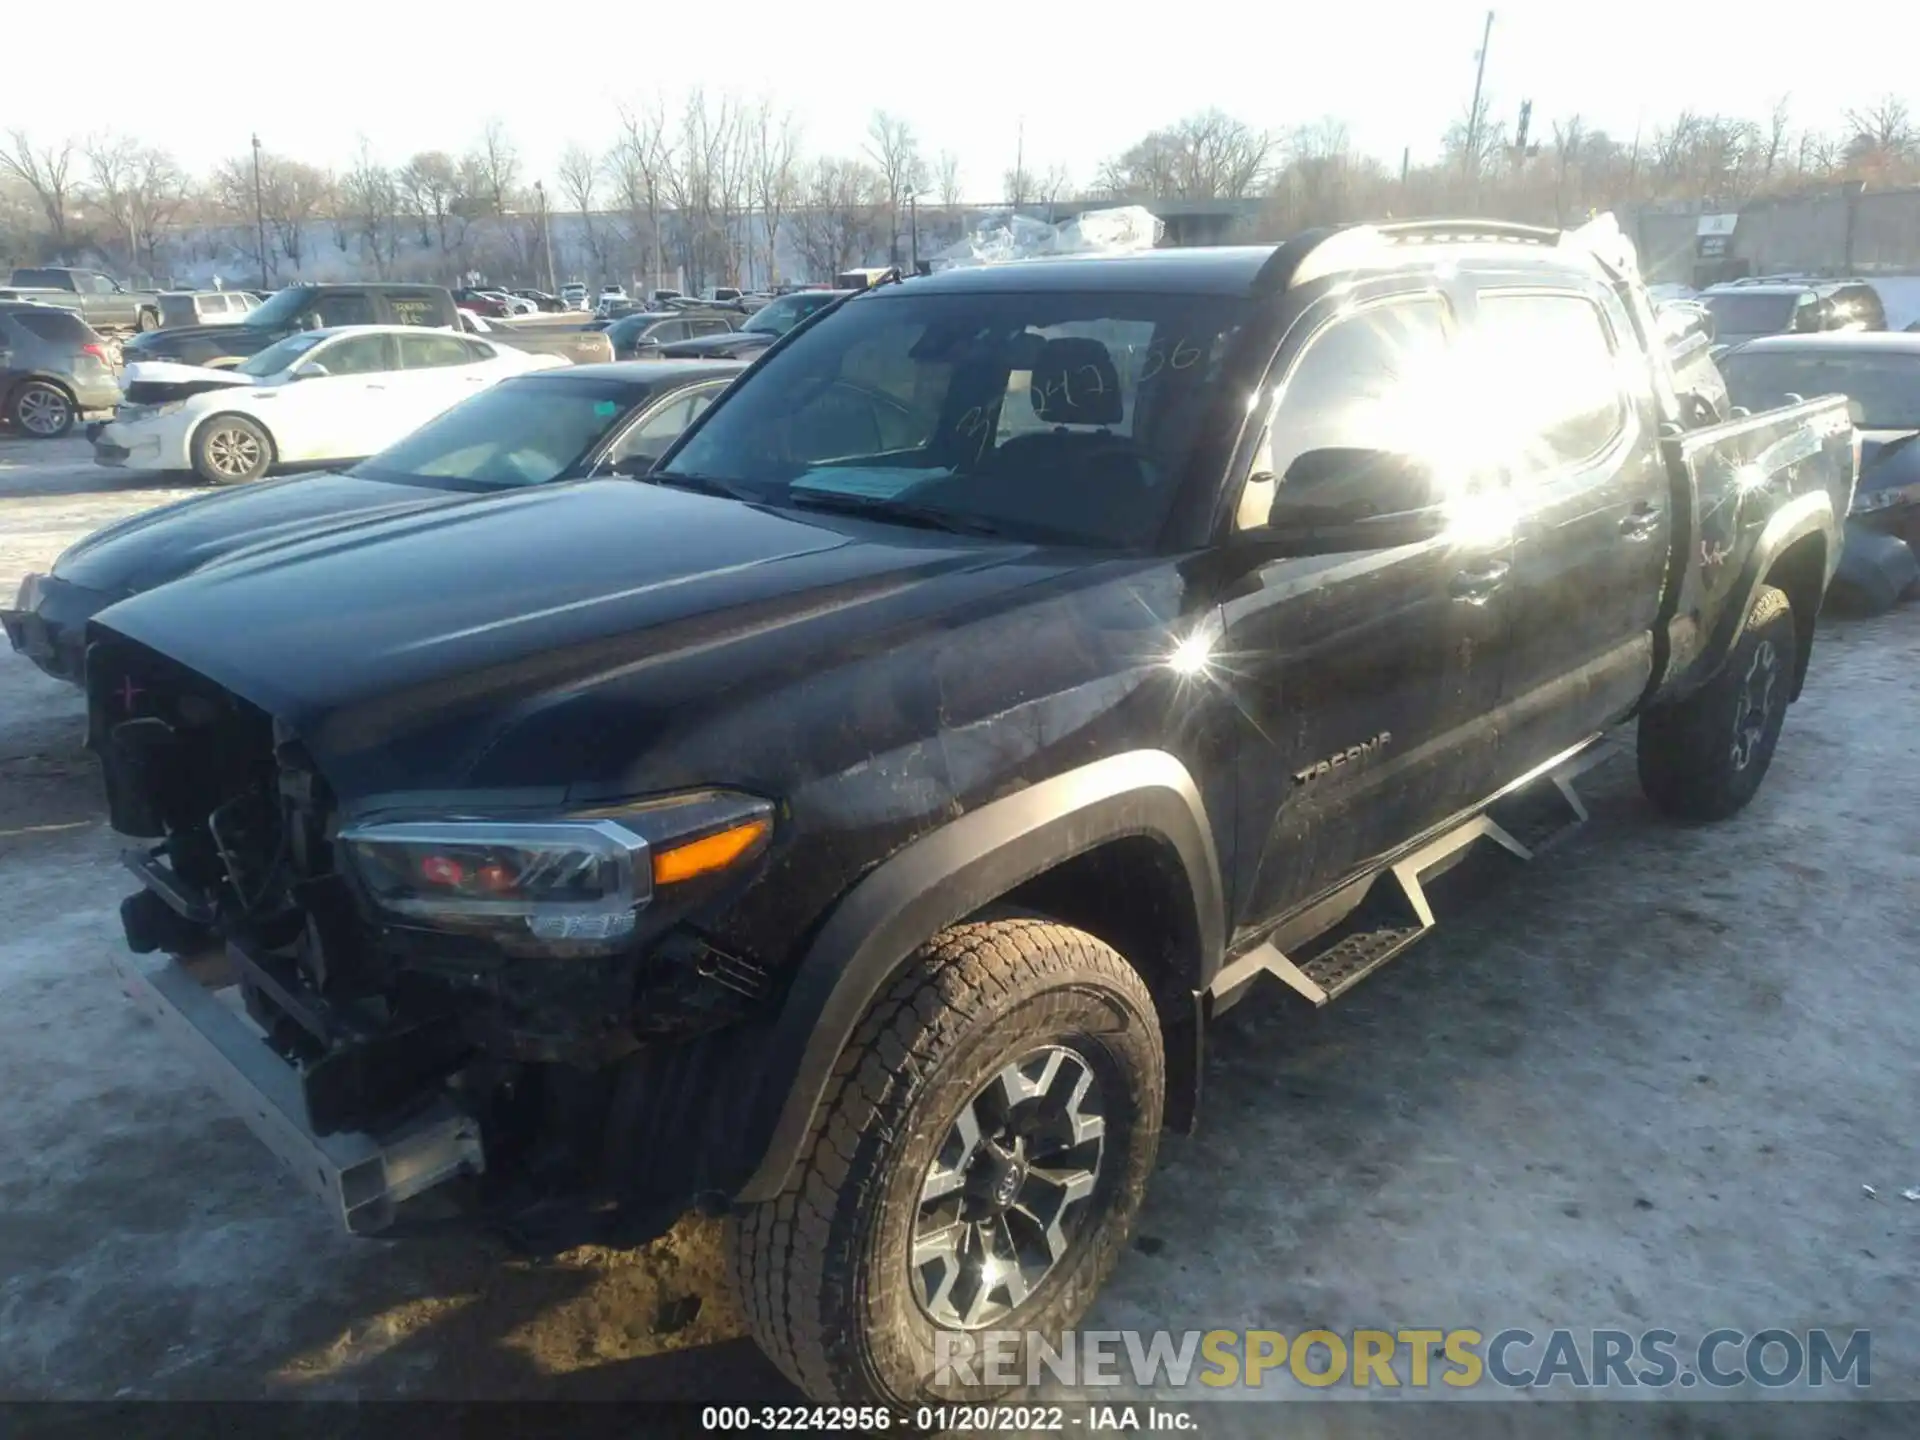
(361, 1177)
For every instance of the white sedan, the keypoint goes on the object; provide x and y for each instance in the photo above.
(320, 397)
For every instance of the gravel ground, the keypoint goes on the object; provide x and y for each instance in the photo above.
(1644, 1086)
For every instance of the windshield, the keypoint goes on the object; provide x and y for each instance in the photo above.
(782, 315)
(281, 309)
(279, 355)
(1886, 387)
(1735, 314)
(1065, 415)
(520, 432)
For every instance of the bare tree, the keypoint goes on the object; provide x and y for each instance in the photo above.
(1210, 156)
(699, 187)
(139, 188)
(496, 168)
(842, 217)
(369, 209)
(1018, 186)
(579, 186)
(1883, 134)
(895, 153)
(947, 180)
(638, 167)
(47, 171)
(1776, 139)
(776, 181)
(428, 185)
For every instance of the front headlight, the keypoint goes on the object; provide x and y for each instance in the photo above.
(29, 597)
(577, 883)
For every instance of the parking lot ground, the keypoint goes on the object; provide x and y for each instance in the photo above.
(1643, 1084)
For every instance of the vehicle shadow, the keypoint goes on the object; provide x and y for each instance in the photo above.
(24, 476)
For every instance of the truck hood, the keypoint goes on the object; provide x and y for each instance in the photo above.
(159, 545)
(201, 341)
(400, 651)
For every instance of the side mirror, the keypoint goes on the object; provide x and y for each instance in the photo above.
(310, 370)
(311, 321)
(1341, 499)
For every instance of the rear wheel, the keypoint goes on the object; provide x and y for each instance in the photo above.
(1704, 758)
(231, 450)
(42, 410)
(984, 1143)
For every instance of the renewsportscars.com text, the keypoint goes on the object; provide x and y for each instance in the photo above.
(1773, 1359)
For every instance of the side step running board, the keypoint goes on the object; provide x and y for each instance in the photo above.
(1336, 942)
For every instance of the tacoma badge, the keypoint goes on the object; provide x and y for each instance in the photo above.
(1352, 755)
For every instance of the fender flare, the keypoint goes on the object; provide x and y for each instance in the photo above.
(1809, 514)
(945, 876)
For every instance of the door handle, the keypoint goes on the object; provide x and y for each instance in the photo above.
(376, 387)
(1640, 522)
(1476, 587)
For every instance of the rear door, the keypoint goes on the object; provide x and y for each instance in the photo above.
(437, 371)
(1579, 435)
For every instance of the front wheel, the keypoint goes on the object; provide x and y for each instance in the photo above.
(1704, 758)
(231, 450)
(985, 1140)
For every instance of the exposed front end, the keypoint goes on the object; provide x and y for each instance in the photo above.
(411, 994)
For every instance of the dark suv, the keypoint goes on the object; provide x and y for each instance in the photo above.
(53, 368)
(1745, 309)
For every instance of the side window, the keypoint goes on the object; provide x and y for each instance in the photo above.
(666, 333)
(711, 327)
(1372, 381)
(102, 285)
(1555, 373)
(650, 438)
(478, 351)
(350, 308)
(355, 355)
(431, 352)
(412, 308)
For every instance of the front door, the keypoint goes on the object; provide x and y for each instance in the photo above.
(342, 414)
(1591, 503)
(1362, 680)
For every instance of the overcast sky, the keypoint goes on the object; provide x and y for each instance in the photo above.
(1084, 78)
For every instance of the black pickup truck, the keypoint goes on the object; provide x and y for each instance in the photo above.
(318, 307)
(855, 826)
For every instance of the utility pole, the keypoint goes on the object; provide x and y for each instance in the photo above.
(546, 235)
(1019, 164)
(1473, 115)
(259, 215)
(913, 224)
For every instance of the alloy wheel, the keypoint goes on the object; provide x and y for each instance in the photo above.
(42, 410)
(234, 453)
(1001, 1203)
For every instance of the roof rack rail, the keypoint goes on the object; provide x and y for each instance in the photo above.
(1456, 231)
(1278, 269)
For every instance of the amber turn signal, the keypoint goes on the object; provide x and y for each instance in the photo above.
(709, 852)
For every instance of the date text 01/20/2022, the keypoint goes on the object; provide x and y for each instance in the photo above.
(945, 1419)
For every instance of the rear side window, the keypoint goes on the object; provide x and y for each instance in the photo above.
(429, 352)
(58, 326)
(413, 308)
(351, 308)
(1556, 379)
(40, 279)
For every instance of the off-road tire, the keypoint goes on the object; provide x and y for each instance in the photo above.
(822, 1270)
(1704, 757)
(222, 437)
(41, 410)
